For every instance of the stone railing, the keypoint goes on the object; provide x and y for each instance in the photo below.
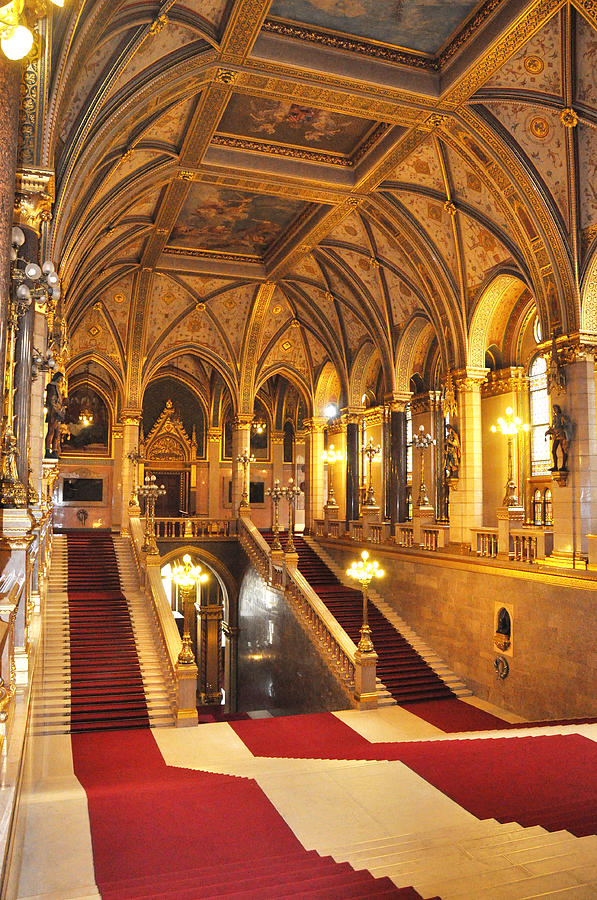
(484, 542)
(357, 672)
(405, 536)
(181, 529)
(530, 545)
(183, 679)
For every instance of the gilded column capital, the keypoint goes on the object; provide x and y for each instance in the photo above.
(505, 381)
(277, 437)
(131, 415)
(397, 400)
(243, 421)
(470, 379)
(214, 435)
(315, 425)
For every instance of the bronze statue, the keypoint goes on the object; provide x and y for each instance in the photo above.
(560, 432)
(451, 452)
(55, 415)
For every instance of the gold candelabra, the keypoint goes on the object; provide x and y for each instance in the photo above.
(364, 571)
(331, 456)
(422, 442)
(276, 493)
(510, 427)
(291, 492)
(189, 579)
(150, 491)
(135, 458)
(245, 459)
(371, 452)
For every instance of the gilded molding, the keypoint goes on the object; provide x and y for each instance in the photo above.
(34, 196)
(510, 380)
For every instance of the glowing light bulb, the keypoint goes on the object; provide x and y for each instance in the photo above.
(17, 43)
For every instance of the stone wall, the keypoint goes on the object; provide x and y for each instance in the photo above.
(452, 605)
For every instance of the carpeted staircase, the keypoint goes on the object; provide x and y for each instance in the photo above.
(402, 670)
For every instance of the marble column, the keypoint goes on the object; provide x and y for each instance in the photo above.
(352, 469)
(466, 500)
(10, 82)
(574, 496)
(396, 461)
(214, 488)
(130, 420)
(314, 471)
(37, 397)
(277, 441)
(241, 443)
(117, 456)
(23, 362)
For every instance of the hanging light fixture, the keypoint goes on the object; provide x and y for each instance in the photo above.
(16, 39)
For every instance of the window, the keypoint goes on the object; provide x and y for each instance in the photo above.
(539, 402)
(547, 507)
(537, 508)
(409, 442)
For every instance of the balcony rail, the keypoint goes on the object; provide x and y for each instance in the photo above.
(405, 536)
(180, 529)
(484, 542)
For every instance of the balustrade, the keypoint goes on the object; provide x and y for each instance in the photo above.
(405, 535)
(193, 527)
(485, 542)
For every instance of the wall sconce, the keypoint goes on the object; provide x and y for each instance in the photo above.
(16, 39)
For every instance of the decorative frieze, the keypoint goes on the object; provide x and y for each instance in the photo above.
(504, 381)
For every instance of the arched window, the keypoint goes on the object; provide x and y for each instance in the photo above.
(539, 403)
(547, 507)
(409, 440)
(537, 508)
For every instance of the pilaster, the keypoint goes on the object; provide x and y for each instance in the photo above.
(214, 443)
(466, 503)
(314, 470)
(130, 420)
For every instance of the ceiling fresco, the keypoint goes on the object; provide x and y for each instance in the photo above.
(421, 25)
(223, 189)
(293, 124)
(230, 221)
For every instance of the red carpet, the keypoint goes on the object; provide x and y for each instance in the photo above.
(177, 834)
(405, 674)
(454, 716)
(106, 684)
(549, 781)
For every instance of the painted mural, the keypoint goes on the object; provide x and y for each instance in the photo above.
(423, 25)
(214, 218)
(286, 122)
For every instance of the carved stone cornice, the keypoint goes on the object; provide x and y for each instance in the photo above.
(469, 379)
(34, 196)
(243, 421)
(571, 347)
(315, 425)
(373, 416)
(504, 381)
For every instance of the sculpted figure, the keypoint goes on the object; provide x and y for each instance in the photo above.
(55, 415)
(559, 431)
(451, 452)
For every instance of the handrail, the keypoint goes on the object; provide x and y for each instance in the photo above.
(177, 527)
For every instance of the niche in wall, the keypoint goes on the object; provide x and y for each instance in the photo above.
(502, 638)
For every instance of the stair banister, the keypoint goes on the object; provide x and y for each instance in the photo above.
(183, 677)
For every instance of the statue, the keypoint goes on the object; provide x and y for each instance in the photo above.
(55, 416)
(451, 452)
(556, 377)
(560, 432)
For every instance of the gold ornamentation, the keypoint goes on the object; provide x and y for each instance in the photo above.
(200, 307)
(331, 159)
(119, 298)
(286, 346)
(226, 76)
(436, 120)
(534, 65)
(569, 118)
(450, 208)
(185, 175)
(158, 25)
(539, 127)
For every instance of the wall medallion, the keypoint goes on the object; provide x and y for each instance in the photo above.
(534, 65)
(539, 127)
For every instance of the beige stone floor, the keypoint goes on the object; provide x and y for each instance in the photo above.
(376, 814)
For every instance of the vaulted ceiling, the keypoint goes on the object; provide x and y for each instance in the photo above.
(336, 169)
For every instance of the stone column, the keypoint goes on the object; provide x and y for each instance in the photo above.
(10, 81)
(314, 471)
(117, 442)
(241, 442)
(574, 495)
(214, 487)
(37, 396)
(277, 442)
(466, 502)
(396, 460)
(130, 420)
(23, 361)
(352, 469)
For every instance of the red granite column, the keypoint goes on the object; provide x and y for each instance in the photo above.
(10, 77)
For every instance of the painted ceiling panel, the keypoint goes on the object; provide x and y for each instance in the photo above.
(319, 354)
(134, 163)
(587, 147)
(171, 38)
(224, 219)
(231, 311)
(422, 167)
(482, 251)
(171, 128)
(203, 285)
(423, 25)
(278, 312)
(211, 10)
(432, 216)
(403, 300)
(116, 300)
(388, 248)
(288, 350)
(94, 335)
(166, 302)
(198, 329)
(540, 134)
(538, 66)
(468, 187)
(355, 330)
(323, 301)
(366, 272)
(586, 66)
(293, 124)
(351, 230)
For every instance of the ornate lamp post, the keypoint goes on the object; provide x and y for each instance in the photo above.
(331, 456)
(364, 571)
(188, 578)
(371, 451)
(422, 442)
(291, 492)
(135, 458)
(245, 459)
(150, 492)
(510, 428)
(276, 493)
